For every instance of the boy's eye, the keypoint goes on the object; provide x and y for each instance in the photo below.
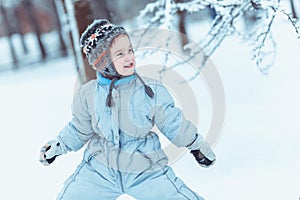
(120, 54)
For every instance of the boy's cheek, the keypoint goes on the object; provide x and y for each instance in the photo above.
(119, 66)
(120, 69)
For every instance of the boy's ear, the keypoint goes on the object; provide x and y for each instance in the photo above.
(100, 66)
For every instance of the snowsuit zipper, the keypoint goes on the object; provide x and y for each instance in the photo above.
(119, 142)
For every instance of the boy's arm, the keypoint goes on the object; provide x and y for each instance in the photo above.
(180, 131)
(76, 133)
(79, 130)
(170, 120)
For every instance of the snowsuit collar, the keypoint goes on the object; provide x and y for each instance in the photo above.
(106, 81)
(121, 81)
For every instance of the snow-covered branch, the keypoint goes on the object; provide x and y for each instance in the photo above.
(230, 14)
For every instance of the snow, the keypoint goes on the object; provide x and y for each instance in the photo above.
(257, 155)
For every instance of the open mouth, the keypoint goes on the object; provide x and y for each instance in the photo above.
(130, 65)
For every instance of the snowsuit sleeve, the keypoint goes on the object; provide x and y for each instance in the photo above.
(170, 120)
(79, 130)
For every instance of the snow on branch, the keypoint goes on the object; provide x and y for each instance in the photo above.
(295, 23)
(230, 16)
(192, 6)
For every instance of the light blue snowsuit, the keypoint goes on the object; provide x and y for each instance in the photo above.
(123, 154)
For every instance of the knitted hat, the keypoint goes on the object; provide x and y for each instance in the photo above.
(95, 42)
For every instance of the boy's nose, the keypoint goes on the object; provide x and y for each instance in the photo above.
(129, 57)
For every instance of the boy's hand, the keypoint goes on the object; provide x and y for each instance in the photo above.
(202, 152)
(202, 160)
(49, 152)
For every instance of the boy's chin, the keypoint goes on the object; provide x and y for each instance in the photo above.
(128, 72)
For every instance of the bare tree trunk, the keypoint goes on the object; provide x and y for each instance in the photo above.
(63, 47)
(181, 25)
(182, 29)
(100, 10)
(61, 5)
(83, 17)
(294, 14)
(35, 25)
(19, 30)
(9, 34)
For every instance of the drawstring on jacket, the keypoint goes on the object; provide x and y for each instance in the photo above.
(109, 100)
(148, 89)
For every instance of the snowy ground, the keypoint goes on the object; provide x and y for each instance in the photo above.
(257, 155)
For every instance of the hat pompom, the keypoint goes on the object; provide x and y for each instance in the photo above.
(91, 29)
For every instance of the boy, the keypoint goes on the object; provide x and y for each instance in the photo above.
(115, 114)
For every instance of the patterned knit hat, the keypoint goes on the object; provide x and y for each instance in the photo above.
(95, 42)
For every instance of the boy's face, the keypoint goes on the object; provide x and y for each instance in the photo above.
(122, 55)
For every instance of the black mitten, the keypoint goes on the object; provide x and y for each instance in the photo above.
(202, 152)
(201, 159)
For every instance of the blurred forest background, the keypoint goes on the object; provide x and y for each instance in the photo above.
(34, 31)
